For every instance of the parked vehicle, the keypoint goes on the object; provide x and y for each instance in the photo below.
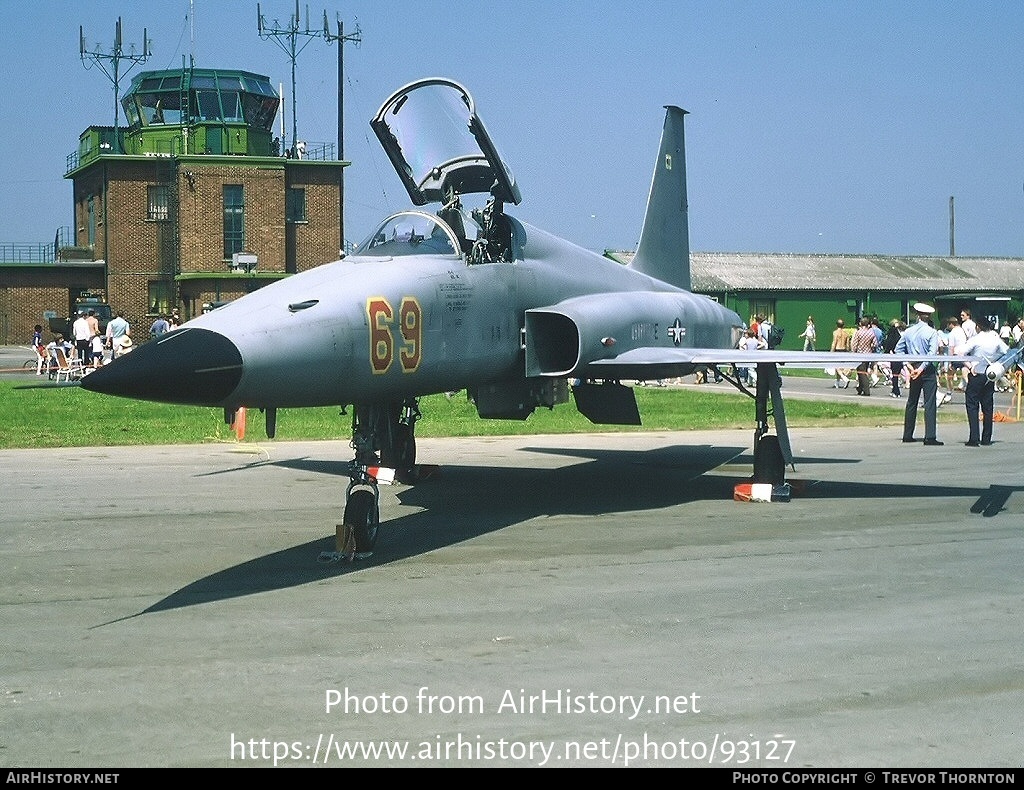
(104, 313)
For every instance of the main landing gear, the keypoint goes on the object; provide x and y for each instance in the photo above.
(772, 452)
(384, 440)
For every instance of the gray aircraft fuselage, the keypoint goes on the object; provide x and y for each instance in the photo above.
(382, 328)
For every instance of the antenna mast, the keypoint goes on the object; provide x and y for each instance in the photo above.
(110, 63)
(342, 38)
(288, 38)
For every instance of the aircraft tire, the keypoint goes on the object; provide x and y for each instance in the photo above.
(361, 515)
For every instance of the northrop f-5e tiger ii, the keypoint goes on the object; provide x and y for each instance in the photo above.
(463, 297)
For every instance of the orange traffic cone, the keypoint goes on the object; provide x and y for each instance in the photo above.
(239, 423)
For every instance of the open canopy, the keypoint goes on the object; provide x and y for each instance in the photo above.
(439, 146)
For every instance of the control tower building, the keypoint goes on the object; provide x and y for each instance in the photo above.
(195, 202)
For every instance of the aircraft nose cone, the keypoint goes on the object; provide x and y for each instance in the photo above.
(190, 366)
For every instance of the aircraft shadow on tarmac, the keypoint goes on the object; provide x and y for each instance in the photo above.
(463, 502)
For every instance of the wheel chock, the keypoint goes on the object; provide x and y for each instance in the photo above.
(761, 492)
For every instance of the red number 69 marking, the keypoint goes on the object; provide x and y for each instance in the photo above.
(381, 316)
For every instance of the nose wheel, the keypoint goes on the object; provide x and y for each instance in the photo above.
(362, 516)
(357, 534)
(384, 440)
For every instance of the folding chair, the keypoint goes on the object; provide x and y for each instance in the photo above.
(70, 369)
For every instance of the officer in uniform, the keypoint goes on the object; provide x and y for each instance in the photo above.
(921, 338)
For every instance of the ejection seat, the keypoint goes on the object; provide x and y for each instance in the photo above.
(453, 218)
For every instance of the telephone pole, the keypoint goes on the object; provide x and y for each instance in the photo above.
(952, 229)
(342, 39)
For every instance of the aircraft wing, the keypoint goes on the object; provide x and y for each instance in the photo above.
(655, 362)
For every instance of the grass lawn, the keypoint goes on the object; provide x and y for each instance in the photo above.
(73, 417)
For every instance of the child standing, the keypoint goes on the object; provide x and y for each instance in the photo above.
(37, 343)
(97, 351)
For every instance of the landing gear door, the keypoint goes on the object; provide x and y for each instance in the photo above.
(438, 144)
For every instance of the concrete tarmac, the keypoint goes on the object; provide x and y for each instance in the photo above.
(589, 600)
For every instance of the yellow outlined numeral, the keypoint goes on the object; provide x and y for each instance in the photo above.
(411, 316)
(382, 345)
(381, 316)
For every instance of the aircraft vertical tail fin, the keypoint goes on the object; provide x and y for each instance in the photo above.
(664, 248)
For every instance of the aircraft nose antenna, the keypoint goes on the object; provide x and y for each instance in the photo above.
(189, 366)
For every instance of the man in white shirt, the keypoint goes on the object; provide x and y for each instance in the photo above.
(987, 345)
(969, 327)
(955, 338)
(82, 333)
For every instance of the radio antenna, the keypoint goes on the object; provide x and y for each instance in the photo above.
(290, 39)
(110, 64)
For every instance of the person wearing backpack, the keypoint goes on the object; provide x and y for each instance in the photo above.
(772, 335)
(892, 337)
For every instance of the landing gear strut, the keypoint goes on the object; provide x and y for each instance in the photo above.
(772, 453)
(383, 435)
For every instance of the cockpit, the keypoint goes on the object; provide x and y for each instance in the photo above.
(410, 233)
(439, 146)
(419, 233)
(442, 152)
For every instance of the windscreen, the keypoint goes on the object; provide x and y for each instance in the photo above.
(409, 233)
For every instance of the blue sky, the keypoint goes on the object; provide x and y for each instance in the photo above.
(815, 127)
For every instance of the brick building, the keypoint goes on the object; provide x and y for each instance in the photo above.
(193, 203)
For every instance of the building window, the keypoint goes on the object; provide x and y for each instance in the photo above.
(295, 205)
(156, 200)
(90, 209)
(160, 297)
(234, 220)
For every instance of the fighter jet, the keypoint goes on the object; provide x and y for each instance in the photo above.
(464, 297)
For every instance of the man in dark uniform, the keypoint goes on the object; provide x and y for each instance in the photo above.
(921, 338)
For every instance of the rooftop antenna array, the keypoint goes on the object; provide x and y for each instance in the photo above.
(288, 38)
(110, 62)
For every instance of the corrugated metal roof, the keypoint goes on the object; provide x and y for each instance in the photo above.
(746, 271)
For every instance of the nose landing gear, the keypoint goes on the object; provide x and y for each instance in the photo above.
(362, 514)
(384, 440)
